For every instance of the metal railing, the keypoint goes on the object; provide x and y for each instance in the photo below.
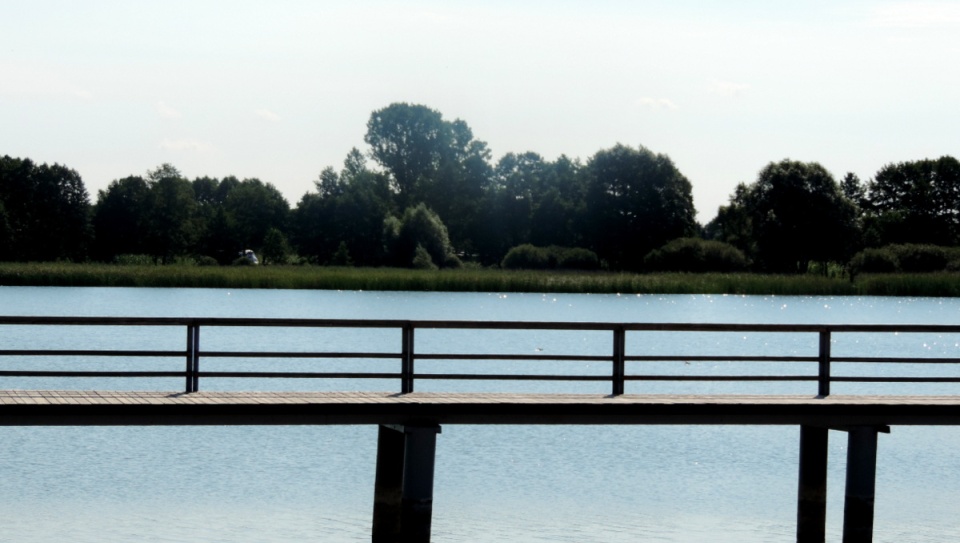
(407, 356)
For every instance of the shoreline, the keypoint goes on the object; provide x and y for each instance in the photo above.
(472, 280)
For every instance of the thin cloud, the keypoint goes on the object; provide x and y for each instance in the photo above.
(267, 115)
(916, 15)
(185, 145)
(656, 103)
(167, 112)
(727, 88)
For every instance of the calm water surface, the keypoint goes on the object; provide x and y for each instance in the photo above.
(523, 483)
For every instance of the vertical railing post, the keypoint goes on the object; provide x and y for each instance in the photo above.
(823, 390)
(619, 369)
(193, 358)
(406, 362)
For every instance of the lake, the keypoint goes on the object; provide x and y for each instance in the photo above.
(515, 483)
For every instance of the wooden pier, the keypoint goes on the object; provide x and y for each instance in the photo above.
(410, 421)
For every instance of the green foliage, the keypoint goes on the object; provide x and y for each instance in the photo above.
(526, 257)
(530, 257)
(471, 279)
(255, 208)
(409, 141)
(6, 235)
(794, 214)
(134, 260)
(422, 259)
(697, 256)
(907, 258)
(168, 221)
(635, 202)
(420, 230)
(275, 247)
(44, 212)
(436, 186)
(919, 202)
(348, 207)
(342, 256)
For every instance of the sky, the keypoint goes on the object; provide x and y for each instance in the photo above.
(280, 90)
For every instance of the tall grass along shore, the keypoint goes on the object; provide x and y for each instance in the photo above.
(470, 280)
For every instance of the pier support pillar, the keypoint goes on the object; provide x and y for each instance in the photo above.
(861, 483)
(388, 485)
(812, 495)
(403, 488)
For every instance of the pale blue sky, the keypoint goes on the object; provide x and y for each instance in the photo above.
(278, 90)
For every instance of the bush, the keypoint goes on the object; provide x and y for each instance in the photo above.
(342, 256)
(530, 257)
(910, 258)
(874, 261)
(452, 261)
(577, 259)
(422, 259)
(920, 258)
(696, 255)
(134, 260)
(419, 228)
(206, 261)
(526, 257)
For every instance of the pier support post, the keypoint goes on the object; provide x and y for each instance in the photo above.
(861, 483)
(403, 488)
(812, 494)
(388, 485)
(418, 466)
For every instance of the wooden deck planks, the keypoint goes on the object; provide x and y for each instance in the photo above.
(64, 408)
(79, 397)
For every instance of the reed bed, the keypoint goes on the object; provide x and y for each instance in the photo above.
(470, 280)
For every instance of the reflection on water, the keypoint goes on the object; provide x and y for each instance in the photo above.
(522, 483)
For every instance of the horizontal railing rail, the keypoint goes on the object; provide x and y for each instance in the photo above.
(406, 355)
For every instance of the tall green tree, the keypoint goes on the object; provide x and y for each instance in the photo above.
(636, 201)
(432, 161)
(559, 205)
(410, 142)
(47, 211)
(418, 233)
(119, 218)
(733, 224)
(799, 215)
(170, 226)
(253, 208)
(346, 211)
(6, 234)
(915, 202)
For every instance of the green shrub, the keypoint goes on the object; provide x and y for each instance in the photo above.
(531, 257)
(206, 261)
(526, 257)
(907, 258)
(577, 258)
(422, 259)
(134, 260)
(418, 227)
(452, 261)
(920, 258)
(874, 261)
(696, 255)
(342, 256)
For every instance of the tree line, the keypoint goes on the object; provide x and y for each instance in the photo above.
(426, 193)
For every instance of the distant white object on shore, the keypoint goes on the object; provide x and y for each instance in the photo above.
(250, 256)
